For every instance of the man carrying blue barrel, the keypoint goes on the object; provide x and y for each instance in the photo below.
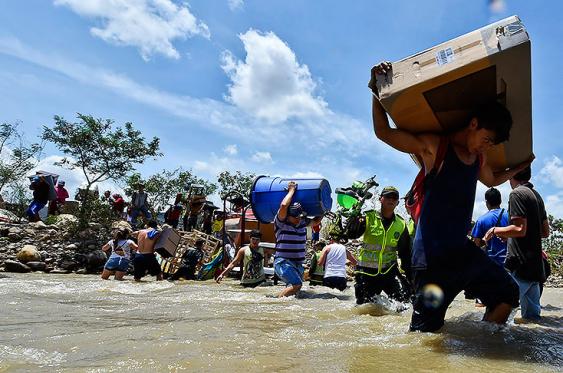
(290, 227)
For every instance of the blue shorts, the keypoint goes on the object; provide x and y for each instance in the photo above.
(289, 271)
(34, 208)
(120, 264)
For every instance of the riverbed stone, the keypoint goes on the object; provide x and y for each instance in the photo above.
(72, 246)
(95, 260)
(60, 271)
(28, 253)
(69, 265)
(38, 225)
(15, 266)
(37, 266)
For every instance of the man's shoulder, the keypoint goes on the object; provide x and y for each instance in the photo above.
(486, 216)
(522, 189)
(522, 193)
(487, 220)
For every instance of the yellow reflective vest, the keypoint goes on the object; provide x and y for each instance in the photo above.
(378, 253)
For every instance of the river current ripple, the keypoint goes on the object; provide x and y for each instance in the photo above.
(77, 323)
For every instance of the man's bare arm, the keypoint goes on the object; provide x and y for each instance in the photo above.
(322, 258)
(353, 261)
(397, 138)
(517, 229)
(284, 206)
(236, 260)
(491, 179)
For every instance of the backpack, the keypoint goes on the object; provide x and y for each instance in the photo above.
(417, 191)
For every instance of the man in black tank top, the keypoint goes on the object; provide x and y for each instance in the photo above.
(444, 261)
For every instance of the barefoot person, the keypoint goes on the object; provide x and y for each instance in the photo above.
(145, 260)
(442, 253)
(121, 250)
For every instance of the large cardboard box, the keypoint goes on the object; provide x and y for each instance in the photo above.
(435, 90)
(167, 242)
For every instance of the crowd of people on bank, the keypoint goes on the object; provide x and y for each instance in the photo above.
(191, 211)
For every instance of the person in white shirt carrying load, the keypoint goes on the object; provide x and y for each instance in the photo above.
(333, 258)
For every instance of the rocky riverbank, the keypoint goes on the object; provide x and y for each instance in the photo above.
(54, 248)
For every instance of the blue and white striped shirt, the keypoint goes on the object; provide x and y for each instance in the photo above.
(290, 239)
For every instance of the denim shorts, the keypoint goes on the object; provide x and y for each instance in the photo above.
(289, 271)
(120, 264)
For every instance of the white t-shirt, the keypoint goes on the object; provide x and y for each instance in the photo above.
(124, 245)
(335, 263)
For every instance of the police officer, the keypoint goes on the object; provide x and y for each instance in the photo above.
(385, 239)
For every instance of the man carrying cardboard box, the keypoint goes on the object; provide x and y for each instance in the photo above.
(442, 253)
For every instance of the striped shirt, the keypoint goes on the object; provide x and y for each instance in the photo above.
(290, 239)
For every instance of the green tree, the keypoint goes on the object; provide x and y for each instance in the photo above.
(99, 151)
(239, 181)
(163, 186)
(553, 245)
(18, 196)
(17, 157)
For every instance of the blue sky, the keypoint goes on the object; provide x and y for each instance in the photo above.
(272, 87)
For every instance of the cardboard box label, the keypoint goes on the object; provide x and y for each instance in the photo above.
(444, 56)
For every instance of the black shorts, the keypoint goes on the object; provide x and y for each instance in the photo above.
(470, 270)
(334, 282)
(367, 287)
(143, 263)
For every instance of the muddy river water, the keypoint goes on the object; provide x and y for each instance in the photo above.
(77, 323)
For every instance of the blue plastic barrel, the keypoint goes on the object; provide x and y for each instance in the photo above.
(268, 192)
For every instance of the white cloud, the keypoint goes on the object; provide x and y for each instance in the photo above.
(552, 172)
(324, 139)
(231, 149)
(262, 157)
(236, 4)
(307, 175)
(497, 6)
(214, 164)
(554, 204)
(270, 84)
(150, 25)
